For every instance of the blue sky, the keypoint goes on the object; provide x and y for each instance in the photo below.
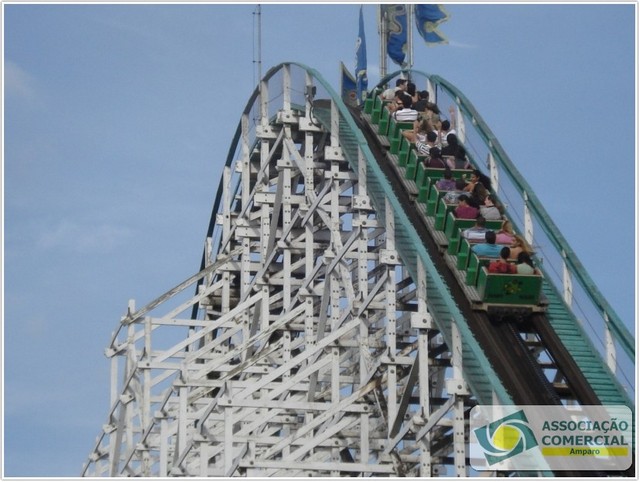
(118, 119)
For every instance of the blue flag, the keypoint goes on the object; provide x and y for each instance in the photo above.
(348, 87)
(428, 17)
(395, 18)
(361, 63)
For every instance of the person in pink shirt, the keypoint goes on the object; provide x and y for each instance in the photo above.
(506, 234)
(465, 210)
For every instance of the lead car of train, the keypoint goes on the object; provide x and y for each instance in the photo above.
(501, 295)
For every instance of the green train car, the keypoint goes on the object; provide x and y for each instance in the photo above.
(502, 294)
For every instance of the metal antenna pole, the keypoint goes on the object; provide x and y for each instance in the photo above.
(257, 32)
(259, 42)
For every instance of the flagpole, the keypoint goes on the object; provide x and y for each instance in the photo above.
(382, 21)
(409, 9)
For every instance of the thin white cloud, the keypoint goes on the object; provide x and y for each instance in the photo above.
(19, 83)
(71, 236)
(461, 45)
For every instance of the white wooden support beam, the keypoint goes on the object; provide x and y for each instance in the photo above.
(461, 131)
(567, 283)
(286, 88)
(308, 123)
(459, 439)
(390, 329)
(335, 127)
(494, 172)
(457, 387)
(264, 130)
(422, 322)
(610, 346)
(528, 222)
(432, 91)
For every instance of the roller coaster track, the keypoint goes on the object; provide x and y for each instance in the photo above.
(325, 333)
(502, 341)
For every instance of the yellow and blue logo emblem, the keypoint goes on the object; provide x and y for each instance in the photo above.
(506, 438)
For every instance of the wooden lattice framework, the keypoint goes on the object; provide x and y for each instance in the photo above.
(304, 347)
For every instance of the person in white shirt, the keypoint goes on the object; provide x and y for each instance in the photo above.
(424, 147)
(524, 264)
(489, 210)
(445, 130)
(421, 128)
(477, 231)
(403, 111)
(389, 94)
